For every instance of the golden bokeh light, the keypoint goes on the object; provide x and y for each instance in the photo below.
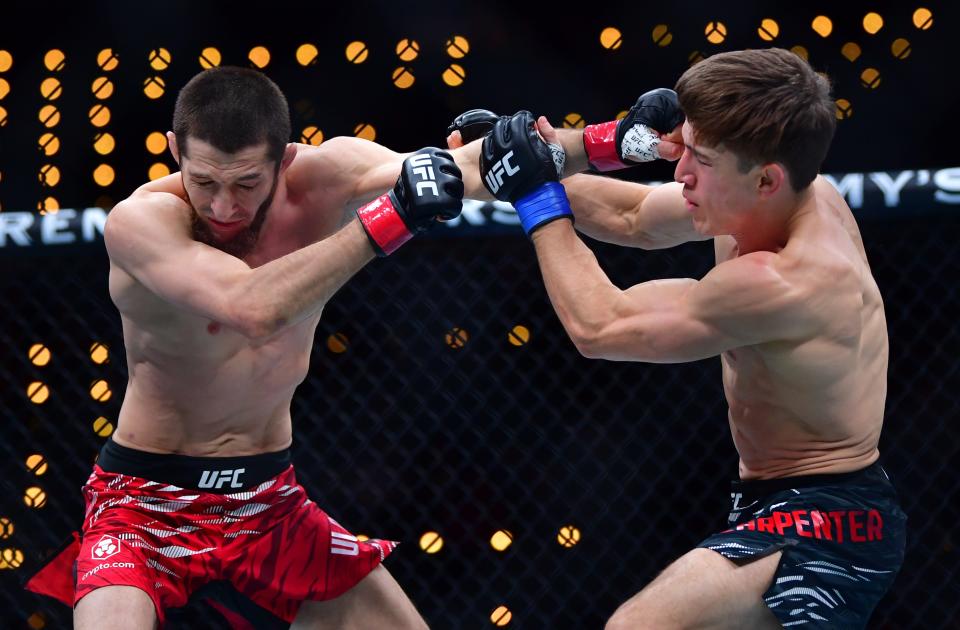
(456, 338)
(822, 25)
(408, 49)
(48, 205)
(37, 464)
(156, 142)
(900, 48)
(457, 46)
(356, 52)
(573, 120)
(568, 536)
(104, 143)
(307, 54)
(850, 51)
(49, 116)
(769, 29)
(716, 32)
(158, 170)
(107, 60)
(54, 60)
(159, 59)
(501, 616)
(99, 115)
(99, 353)
(519, 335)
(454, 75)
(403, 77)
(501, 539)
(661, 35)
(872, 23)
(48, 144)
(365, 131)
(312, 136)
(104, 175)
(102, 87)
(431, 542)
(611, 38)
(259, 57)
(154, 87)
(34, 497)
(102, 427)
(49, 175)
(39, 354)
(337, 343)
(51, 88)
(209, 58)
(844, 109)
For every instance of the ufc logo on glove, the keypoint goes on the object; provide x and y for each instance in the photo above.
(495, 176)
(423, 168)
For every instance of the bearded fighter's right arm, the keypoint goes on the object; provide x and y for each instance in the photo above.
(148, 237)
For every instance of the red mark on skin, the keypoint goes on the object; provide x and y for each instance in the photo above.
(213, 328)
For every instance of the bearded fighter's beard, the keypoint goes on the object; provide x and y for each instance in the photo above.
(241, 244)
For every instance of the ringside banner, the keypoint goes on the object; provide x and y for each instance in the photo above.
(870, 195)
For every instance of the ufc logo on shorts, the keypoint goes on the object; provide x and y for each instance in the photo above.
(423, 168)
(217, 478)
(344, 544)
(495, 176)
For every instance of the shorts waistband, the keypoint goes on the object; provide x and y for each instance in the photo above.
(219, 475)
(872, 474)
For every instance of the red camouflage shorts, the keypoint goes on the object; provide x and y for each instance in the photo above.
(271, 543)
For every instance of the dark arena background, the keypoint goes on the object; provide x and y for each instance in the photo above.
(445, 407)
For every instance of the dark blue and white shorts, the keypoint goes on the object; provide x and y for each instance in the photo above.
(842, 537)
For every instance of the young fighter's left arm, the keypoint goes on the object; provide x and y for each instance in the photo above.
(741, 302)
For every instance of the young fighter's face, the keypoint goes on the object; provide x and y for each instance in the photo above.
(230, 193)
(718, 194)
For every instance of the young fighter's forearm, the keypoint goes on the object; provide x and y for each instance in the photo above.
(609, 210)
(572, 142)
(579, 290)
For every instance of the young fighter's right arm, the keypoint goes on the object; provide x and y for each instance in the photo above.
(148, 236)
(627, 213)
(630, 214)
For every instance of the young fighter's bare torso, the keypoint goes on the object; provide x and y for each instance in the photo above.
(804, 404)
(814, 405)
(197, 386)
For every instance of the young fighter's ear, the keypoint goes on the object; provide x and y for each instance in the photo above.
(773, 177)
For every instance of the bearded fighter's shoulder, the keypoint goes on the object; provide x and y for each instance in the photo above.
(156, 211)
